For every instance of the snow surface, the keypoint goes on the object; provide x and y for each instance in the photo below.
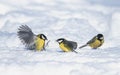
(77, 20)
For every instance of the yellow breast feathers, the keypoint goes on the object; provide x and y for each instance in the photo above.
(39, 43)
(95, 44)
(64, 48)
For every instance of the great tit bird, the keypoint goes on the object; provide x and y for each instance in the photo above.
(30, 40)
(95, 42)
(66, 45)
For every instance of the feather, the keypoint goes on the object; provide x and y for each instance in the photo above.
(26, 36)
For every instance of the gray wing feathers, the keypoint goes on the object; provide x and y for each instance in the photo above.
(72, 45)
(92, 40)
(26, 35)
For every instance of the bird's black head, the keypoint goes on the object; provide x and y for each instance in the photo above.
(60, 40)
(42, 36)
(100, 36)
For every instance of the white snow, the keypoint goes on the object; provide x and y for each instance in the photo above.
(77, 20)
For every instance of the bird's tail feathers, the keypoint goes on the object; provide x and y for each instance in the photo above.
(83, 46)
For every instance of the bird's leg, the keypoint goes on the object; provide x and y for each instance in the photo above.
(75, 51)
(44, 49)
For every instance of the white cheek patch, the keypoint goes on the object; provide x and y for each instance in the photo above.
(60, 41)
(101, 38)
(43, 37)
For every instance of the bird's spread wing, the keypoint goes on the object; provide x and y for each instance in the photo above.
(26, 35)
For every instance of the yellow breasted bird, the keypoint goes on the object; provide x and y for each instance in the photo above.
(95, 42)
(30, 40)
(66, 45)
